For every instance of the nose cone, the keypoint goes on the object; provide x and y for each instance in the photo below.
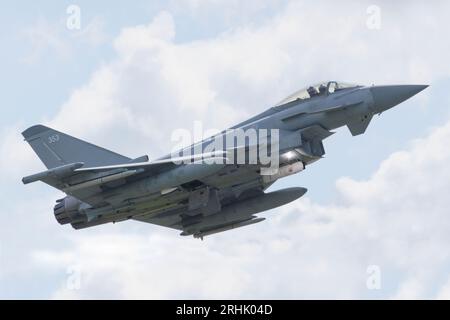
(385, 97)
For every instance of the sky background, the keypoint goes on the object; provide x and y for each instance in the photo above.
(133, 73)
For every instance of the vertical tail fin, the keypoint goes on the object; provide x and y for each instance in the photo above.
(55, 149)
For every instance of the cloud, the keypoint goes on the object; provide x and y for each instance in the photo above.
(155, 84)
(47, 38)
(44, 38)
(93, 33)
(444, 293)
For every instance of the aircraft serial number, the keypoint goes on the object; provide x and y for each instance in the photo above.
(53, 138)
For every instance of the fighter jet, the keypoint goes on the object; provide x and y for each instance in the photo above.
(207, 192)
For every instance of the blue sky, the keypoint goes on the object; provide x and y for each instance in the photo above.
(65, 73)
(120, 80)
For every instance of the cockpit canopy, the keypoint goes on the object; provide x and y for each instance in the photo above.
(321, 89)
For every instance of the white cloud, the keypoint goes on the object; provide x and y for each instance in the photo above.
(444, 293)
(44, 38)
(57, 41)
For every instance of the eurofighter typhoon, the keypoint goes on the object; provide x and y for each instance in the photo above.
(217, 184)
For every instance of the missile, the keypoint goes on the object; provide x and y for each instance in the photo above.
(243, 210)
(228, 227)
